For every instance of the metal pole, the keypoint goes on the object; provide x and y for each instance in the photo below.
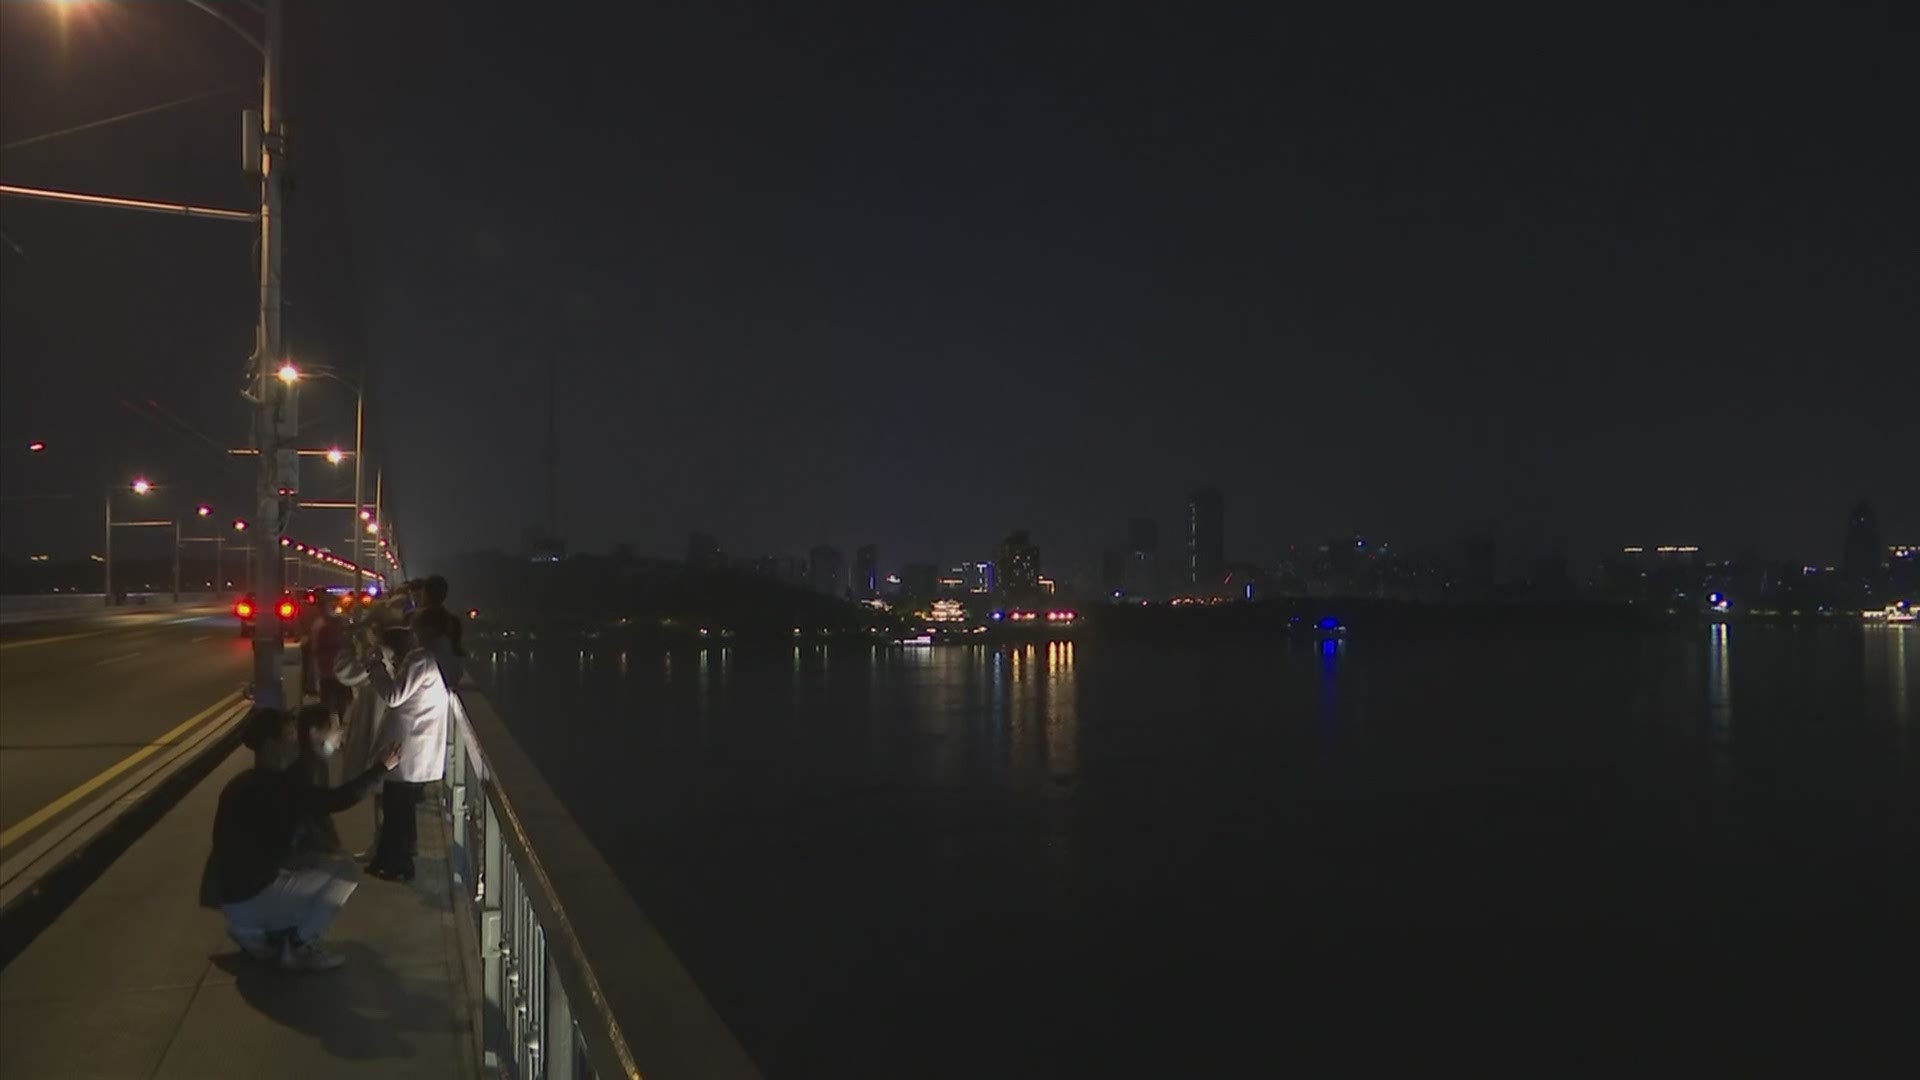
(176, 562)
(379, 485)
(219, 579)
(359, 448)
(106, 551)
(267, 677)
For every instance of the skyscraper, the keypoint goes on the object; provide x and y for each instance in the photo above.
(1019, 564)
(866, 573)
(827, 570)
(1206, 537)
(1863, 556)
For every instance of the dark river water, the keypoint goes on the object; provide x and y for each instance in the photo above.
(1533, 851)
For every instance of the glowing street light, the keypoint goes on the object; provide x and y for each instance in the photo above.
(335, 456)
(140, 486)
(36, 447)
(239, 525)
(203, 510)
(288, 373)
(373, 528)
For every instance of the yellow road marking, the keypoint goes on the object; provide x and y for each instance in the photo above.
(39, 817)
(5, 645)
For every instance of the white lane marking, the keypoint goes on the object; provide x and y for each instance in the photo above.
(117, 659)
(198, 637)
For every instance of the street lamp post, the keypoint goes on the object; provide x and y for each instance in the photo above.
(291, 374)
(140, 486)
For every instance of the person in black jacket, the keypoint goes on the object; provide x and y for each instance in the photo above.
(278, 900)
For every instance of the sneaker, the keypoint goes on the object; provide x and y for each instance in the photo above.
(257, 944)
(309, 956)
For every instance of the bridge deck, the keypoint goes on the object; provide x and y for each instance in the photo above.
(134, 979)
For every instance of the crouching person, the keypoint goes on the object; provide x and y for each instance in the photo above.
(277, 892)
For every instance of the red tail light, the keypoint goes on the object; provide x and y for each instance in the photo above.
(286, 609)
(243, 609)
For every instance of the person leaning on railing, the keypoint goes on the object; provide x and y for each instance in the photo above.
(440, 631)
(416, 698)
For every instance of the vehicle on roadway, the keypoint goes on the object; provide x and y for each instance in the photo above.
(287, 610)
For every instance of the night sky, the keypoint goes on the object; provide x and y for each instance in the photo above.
(841, 273)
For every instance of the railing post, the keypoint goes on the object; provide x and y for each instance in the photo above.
(557, 1037)
(495, 1028)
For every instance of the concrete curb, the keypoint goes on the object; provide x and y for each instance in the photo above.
(65, 841)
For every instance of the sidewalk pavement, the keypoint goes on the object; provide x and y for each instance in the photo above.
(135, 979)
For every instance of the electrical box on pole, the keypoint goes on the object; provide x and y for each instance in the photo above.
(252, 136)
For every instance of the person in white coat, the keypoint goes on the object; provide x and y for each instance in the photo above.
(416, 699)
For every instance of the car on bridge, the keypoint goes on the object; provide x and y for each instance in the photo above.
(287, 611)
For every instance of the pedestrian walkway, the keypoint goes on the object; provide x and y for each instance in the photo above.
(135, 979)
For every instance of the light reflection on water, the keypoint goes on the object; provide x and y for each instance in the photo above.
(1720, 704)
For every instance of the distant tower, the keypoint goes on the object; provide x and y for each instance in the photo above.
(1206, 537)
(546, 543)
(1863, 555)
(866, 573)
(1141, 576)
(553, 448)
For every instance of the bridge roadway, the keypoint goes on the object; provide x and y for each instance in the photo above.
(84, 699)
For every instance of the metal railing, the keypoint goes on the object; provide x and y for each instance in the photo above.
(545, 1014)
(528, 1028)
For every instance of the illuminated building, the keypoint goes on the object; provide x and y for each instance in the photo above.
(947, 611)
(866, 573)
(1661, 556)
(1019, 563)
(1903, 568)
(980, 577)
(1206, 537)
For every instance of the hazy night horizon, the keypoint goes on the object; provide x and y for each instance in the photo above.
(918, 278)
